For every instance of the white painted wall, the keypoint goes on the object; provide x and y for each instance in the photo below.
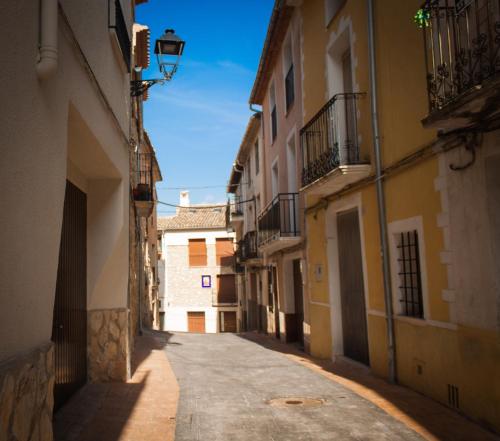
(182, 283)
(52, 130)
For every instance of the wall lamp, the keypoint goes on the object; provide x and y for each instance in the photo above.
(168, 50)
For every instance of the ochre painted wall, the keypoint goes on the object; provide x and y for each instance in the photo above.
(430, 353)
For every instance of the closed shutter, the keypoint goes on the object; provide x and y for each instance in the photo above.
(224, 251)
(197, 252)
(196, 322)
(226, 288)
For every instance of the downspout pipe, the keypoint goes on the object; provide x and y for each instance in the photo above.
(46, 65)
(382, 216)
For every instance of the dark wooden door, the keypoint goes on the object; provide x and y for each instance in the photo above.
(228, 321)
(196, 322)
(275, 301)
(69, 328)
(351, 287)
(298, 300)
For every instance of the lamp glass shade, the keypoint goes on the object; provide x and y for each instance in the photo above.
(169, 44)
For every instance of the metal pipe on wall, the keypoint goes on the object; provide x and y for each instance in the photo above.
(382, 216)
(46, 64)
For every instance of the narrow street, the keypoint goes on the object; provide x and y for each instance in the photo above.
(227, 383)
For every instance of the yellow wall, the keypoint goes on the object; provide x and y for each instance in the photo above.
(447, 354)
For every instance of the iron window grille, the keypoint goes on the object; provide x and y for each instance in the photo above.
(120, 27)
(462, 46)
(410, 283)
(289, 88)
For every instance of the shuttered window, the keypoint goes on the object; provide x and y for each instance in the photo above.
(224, 251)
(197, 252)
(226, 288)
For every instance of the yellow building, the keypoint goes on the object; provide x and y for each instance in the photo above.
(421, 306)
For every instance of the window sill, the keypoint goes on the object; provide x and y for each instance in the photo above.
(412, 320)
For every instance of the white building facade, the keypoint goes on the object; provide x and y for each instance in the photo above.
(196, 270)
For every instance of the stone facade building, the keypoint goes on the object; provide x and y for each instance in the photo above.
(198, 291)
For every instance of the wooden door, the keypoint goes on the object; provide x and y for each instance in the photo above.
(298, 301)
(196, 322)
(275, 301)
(351, 287)
(69, 326)
(228, 321)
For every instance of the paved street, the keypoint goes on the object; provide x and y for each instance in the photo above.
(226, 384)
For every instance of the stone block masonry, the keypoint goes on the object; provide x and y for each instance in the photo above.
(27, 396)
(108, 345)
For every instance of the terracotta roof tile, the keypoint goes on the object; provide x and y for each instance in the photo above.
(193, 218)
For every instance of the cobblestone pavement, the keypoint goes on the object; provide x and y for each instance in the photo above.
(226, 383)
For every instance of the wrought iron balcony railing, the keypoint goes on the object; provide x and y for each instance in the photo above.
(279, 219)
(462, 46)
(143, 177)
(330, 138)
(247, 248)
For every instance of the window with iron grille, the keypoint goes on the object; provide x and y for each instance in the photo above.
(409, 276)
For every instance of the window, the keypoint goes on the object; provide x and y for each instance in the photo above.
(274, 116)
(120, 27)
(197, 252)
(288, 73)
(409, 275)
(275, 179)
(257, 165)
(224, 251)
(226, 288)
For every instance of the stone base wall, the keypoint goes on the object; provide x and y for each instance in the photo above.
(108, 345)
(27, 396)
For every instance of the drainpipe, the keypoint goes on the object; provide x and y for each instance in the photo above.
(46, 65)
(382, 217)
(253, 109)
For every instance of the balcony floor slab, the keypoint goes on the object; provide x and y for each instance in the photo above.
(337, 179)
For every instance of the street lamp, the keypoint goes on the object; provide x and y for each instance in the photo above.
(168, 50)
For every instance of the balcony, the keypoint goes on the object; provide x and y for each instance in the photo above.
(279, 224)
(234, 212)
(247, 248)
(143, 183)
(330, 148)
(462, 50)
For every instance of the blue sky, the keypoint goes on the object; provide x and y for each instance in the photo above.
(196, 121)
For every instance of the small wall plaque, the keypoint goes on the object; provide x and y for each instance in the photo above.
(206, 281)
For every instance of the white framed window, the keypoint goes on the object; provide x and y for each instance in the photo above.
(408, 269)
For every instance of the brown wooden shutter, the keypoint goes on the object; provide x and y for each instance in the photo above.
(226, 288)
(197, 252)
(224, 251)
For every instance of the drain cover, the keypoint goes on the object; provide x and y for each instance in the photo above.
(296, 402)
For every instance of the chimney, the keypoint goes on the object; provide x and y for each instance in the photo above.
(184, 198)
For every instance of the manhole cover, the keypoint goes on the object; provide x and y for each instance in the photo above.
(295, 402)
